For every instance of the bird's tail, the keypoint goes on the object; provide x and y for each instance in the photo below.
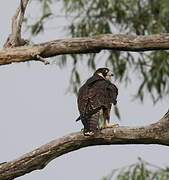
(89, 114)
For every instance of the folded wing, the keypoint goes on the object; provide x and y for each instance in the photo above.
(94, 95)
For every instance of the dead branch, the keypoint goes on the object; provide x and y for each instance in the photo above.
(157, 133)
(92, 44)
(14, 38)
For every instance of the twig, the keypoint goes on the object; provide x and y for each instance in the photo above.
(42, 59)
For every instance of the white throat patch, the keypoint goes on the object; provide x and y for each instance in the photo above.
(100, 74)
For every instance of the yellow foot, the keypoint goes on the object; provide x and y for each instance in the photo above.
(109, 126)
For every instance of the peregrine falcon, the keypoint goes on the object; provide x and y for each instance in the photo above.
(97, 94)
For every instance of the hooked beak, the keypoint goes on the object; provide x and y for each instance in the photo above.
(110, 73)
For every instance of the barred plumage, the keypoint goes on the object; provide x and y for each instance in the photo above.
(98, 93)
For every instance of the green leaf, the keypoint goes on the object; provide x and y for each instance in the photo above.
(87, 18)
(117, 113)
(140, 171)
(37, 28)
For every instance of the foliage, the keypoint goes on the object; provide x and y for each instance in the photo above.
(139, 171)
(141, 17)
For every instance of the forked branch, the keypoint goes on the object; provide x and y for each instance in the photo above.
(157, 133)
(14, 38)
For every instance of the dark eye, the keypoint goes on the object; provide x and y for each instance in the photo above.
(106, 71)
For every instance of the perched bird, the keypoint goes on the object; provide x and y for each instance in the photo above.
(98, 93)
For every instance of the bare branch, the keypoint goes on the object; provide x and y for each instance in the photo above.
(92, 44)
(14, 38)
(157, 133)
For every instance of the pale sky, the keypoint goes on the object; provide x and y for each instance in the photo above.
(35, 109)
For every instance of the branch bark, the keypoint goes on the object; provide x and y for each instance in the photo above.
(157, 133)
(85, 45)
(14, 38)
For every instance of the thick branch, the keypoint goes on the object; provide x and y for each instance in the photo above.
(157, 133)
(85, 45)
(14, 38)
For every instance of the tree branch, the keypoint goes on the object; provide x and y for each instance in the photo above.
(92, 44)
(14, 38)
(157, 133)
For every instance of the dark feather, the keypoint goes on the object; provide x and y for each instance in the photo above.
(96, 94)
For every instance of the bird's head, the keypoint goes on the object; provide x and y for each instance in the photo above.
(104, 72)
